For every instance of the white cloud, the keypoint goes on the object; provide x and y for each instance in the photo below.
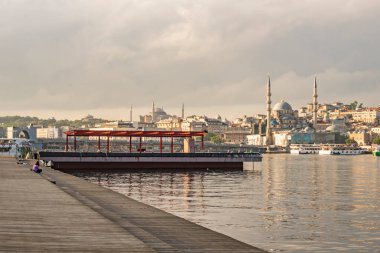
(77, 56)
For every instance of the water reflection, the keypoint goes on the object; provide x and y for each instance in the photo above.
(295, 204)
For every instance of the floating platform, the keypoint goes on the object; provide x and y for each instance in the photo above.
(73, 161)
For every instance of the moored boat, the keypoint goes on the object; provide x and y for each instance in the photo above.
(300, 149)
(340, 150)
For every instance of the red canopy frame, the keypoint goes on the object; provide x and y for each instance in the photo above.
(131, 134)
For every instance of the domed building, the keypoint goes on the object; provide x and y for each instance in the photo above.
(283, 107)
(283, 113)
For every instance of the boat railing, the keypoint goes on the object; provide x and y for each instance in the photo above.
(145, 154)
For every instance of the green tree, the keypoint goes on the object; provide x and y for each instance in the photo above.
(350, 141)
(376, 140)
(216, 139)
(353, 105)
(208, 136)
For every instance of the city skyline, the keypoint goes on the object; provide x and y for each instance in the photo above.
(70, 59)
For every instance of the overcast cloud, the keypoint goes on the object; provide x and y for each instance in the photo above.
(66, 59)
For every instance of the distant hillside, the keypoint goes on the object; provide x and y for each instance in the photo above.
(22, 121)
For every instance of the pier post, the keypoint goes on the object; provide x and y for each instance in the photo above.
(67, 143)
(98, 143)
(75, 143)
(130, 144)
(172, 145)
(108, 144)
(203, 144)
(140, 144)
(160, 144)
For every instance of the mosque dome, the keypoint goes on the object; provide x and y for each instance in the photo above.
(159, 111)
(288, 117)
(282, 106)
(308, 130)
(332, 129)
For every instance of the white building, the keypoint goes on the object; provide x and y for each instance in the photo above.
(256, 140)
(368, 116)
(375, 130)
(193, 124)
(49, 133)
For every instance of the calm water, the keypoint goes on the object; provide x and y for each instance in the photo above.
(294, 204)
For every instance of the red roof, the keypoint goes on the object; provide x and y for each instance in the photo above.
(133, 133)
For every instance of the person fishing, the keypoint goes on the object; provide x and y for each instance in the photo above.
(36, 167)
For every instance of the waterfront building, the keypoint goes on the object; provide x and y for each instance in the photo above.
(116, 125)
(172, 123)
(29, 132)
(50, 132)
(256, 140)
(245, 122)
(202, 123)
(361, 137)
(236, 136)
(366, 116)
(282, 138)
(375, 130)
(303, 112)
(216, 126)
(193, 124)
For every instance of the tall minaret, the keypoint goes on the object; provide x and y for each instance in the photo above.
(268, 132)
(315, 104)
(183, 111)
(130, 114)
(153, 112)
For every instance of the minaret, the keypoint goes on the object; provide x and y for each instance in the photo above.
(183, 111)
(153, 112)
(315, 104)
(268, 132)
(130, 114)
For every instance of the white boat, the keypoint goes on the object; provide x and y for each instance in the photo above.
(17, 147)
(300, 149)
(340, 150)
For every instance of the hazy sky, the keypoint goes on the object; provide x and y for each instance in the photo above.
(68, 58)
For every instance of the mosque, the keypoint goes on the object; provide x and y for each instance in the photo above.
(284, 126)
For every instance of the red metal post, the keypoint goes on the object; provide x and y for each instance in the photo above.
(203, 144)
(140, 144)
(160, 144)
(172, 145)
(67, 143)
(130, 144)
(98, 143)
(108, 144)
(75, 143)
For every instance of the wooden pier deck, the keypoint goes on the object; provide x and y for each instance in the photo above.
(57, 212)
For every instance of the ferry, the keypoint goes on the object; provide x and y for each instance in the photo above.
(340, 150)
(298, 149)
(17, 147)
(376, 149)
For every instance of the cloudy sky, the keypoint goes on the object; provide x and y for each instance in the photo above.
(70, 58)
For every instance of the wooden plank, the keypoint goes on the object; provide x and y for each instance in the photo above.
(75, 215)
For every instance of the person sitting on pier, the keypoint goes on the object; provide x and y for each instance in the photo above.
(36, 167)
